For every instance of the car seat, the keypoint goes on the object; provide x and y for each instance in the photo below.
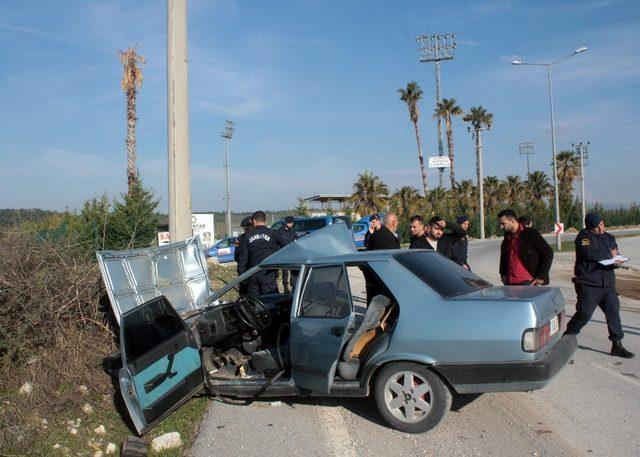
(376, 316)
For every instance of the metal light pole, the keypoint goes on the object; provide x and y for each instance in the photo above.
(227, 135)
(553, 133)
(435, 48)
(477, 131)
(526, 148)
(583, 151)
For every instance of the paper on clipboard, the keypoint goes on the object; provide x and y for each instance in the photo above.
(619, 257)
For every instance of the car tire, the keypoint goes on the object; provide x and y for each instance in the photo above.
(410, 397)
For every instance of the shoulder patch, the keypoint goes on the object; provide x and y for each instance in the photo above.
(585, 242)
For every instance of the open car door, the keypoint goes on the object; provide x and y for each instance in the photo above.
(161, 362)
(319, 328)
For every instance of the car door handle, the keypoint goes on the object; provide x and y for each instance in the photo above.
(337, 331)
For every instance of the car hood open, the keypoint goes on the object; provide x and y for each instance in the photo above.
(177, 271)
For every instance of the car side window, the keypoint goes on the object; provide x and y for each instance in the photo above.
(224, 244)
(326, 294)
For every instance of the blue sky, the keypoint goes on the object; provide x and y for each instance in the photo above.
(311, 86)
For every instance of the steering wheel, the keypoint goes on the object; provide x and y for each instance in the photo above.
(253, 313)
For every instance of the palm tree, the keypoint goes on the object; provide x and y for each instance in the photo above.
(538, 186)
(438, 201)
(411, 95)
(131, 82)
(369, 194)
(445, 109)
(513, 190)
(568, 164)
(480, 119)
(405, 201)
(466, 194)
(492, 191)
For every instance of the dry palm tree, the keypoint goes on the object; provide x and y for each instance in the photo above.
(405, 201)
(480, 119)
(445, 109)
(369, 194)
(538, 187)
(411, 95)
(513, 190)
(131, 82)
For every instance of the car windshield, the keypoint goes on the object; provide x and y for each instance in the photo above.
(358, 227)
(306, 225)
(441, 274)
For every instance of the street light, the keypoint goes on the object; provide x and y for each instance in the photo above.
(227, 135)
(553, 133)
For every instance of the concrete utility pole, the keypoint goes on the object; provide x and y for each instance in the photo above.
(180, 227)
(435, 48)
(227, 135)
(526, 148)
(583, 152)
(553, 133)
(477, 131)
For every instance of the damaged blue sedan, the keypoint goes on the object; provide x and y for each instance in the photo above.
(407, 328)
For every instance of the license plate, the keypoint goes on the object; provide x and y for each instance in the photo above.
(553, 325)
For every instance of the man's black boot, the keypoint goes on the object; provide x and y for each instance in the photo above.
(618, 350)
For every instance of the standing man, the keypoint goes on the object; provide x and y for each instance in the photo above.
(286, 235)
(525, 257)
(526, 221)
(461, 246)
(440, 241)
(595, 283)
(258, 244)
(418, 233)
(386, 237)
(374, 226)
(247, 225)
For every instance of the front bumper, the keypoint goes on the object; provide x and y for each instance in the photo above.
(509, 376)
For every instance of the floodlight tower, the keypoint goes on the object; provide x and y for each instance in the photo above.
(227, 135)
(434, 48)
(583, 152)
(526, 148)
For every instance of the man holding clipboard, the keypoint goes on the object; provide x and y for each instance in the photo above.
(597, 258)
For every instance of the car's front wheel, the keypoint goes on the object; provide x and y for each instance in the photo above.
(410, 397)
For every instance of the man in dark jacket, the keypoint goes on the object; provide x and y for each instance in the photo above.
(461, 246)
(595, 283)
(257, 245)
(440, 241)
(286, 235)
(386, 237)
(374, 226)
(246, 224)
(525, 257)
(418, 233)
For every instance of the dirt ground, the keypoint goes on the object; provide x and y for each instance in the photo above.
(627, 281)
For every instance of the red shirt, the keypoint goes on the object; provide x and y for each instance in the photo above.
(516, 272)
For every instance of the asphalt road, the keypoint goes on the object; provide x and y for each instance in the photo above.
(591, 407)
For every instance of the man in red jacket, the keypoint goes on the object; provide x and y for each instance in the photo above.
(525, 257)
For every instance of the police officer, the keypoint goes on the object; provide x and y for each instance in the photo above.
(246, 224)
(596, 283)
(286, 235)
(257, 245)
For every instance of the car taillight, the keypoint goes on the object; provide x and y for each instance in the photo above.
(535, 339)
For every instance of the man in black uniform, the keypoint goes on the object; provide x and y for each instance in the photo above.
(596, 283)
(284, 236)
(461, 246)
(247, 225)
(386, 237)
(418, 233)
(374, 226)
(257, 245)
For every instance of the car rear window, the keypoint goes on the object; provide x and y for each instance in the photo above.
(441, 274)
(358, 227)
(306, 225)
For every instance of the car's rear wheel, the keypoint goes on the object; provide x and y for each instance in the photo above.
(410, 397)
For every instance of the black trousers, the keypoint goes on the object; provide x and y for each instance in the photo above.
(588, 299)
(262, 282)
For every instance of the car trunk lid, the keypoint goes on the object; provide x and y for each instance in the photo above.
(177, 271)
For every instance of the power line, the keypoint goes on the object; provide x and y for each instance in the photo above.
(384, 32)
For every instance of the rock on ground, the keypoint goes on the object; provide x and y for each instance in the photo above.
(166, 441)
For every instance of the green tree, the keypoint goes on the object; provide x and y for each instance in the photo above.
(405, 201)
(538, 187)
(301, 209)
(513, 190)
(444, 110)
(369, 194)
(492, 191)
(411, 96)
(439, 202)
(467, 196)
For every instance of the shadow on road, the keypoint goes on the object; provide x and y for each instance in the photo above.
(587, 348)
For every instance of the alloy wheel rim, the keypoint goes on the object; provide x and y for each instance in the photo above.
(408, 396)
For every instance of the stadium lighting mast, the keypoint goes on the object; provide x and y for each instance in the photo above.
(583, 153)
(227, 135)
(548, 65)
(434, 48)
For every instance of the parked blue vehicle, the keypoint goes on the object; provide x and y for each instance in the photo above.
(409, 328)
(223, 250)
(305, 225)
